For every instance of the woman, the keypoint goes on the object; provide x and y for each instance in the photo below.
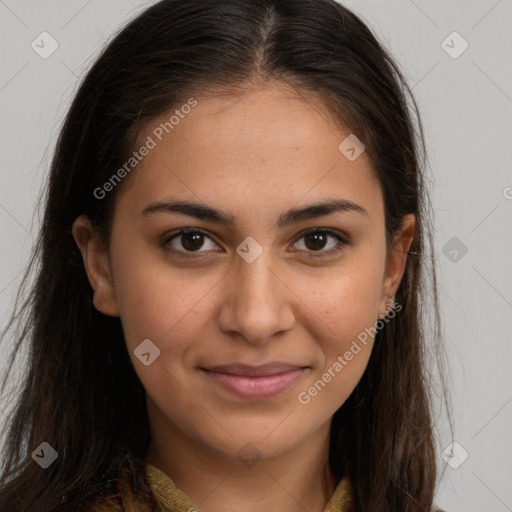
(227, 311)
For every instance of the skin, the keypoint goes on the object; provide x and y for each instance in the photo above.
(254, 155)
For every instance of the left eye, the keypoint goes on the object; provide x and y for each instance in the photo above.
(193, 239)
(318, 238)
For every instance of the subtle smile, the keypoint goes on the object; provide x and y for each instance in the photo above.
(255, 383)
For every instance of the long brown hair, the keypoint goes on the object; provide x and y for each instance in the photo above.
(80, 392)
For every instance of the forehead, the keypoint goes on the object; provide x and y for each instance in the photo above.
(267, 146)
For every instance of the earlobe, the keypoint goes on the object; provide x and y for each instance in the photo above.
(96, 264)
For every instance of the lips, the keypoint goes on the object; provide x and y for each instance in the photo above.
(254, 371)
(255, 382)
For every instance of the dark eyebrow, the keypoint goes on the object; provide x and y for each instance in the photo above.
(203, 212)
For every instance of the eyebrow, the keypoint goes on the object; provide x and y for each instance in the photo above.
(204, 212)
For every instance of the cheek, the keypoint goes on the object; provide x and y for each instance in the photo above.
(168, 309)
(165, 305)
(344, 335)
(343, 312)
(343, 303)
(328, 389)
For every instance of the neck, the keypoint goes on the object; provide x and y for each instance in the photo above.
(294, 481)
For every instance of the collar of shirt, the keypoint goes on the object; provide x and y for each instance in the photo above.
(172, 499)
(169, 498)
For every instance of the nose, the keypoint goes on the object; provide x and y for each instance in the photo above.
(257, 303)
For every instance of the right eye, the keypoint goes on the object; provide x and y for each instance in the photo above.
(187, 241)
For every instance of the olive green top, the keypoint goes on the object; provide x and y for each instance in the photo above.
(170, 498)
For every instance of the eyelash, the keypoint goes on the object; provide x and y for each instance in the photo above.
(342, 242)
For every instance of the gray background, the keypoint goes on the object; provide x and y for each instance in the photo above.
(466, 103)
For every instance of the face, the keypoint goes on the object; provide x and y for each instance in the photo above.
(279, 285)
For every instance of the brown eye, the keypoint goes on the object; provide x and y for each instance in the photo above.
(317, 241)
(192, 241)
(188, 241)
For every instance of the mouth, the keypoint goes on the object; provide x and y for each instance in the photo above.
(255, 382)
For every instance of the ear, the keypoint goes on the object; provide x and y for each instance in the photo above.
(97, 265)
(397, 258)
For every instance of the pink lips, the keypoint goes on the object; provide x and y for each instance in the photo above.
(255, 382)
